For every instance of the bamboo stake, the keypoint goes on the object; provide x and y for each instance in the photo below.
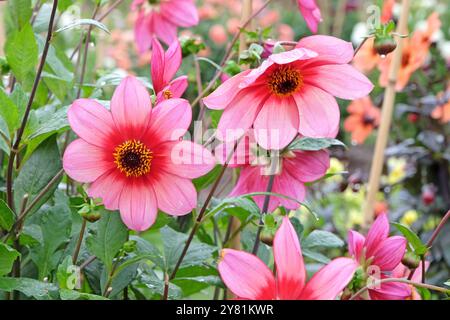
(386, 118)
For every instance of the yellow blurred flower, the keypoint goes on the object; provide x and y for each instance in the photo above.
(336, 168)
(397, 170)
(409, 217)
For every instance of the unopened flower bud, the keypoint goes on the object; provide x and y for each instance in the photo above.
(384, 45)
(267, 237)
(129, 246)
(91, 216)
(428, 194)
(411, 260)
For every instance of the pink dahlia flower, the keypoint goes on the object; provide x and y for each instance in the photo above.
(132, 156)
(311, 12)
(291, 92)
(164, 67)
(379, 255)
(401, 271)
(295, 168)
(161, 18)
(249, 278)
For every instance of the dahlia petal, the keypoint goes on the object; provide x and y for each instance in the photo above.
(131, 108)
(164, 29)
(390, 253)
(277, 123)
(175, 196)
(287, 253)
(241, 113)
(173, 59)
(289, 186)
(378, 232)
(329, 281)
(319, 113)
(184, 159)
(158, 64)
(246, 275)
(391, 291)
(180, 13)
(340, 80)
(308, 166)
(225, 93)
(85, 162)
(293, 55)
(91, 122)
(170, 120)
(331, 50)
(312, 17)
(355, 244)
(143, 32)
(108, 187)
(138, 205)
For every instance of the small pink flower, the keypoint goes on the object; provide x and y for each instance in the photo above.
(164, 67)
(132, 156)
(295, 169)
(291, 92)
(161, 18)
(311, 12)
(249, 278)
(379, 253)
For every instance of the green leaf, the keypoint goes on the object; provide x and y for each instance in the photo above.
(145, 248)
(109, 237)
(322, 239)
(316, 256)
(7, 217)
(206, 180)
(20, 11)
(29, 287)
(156, 286)
(37, 172)
(419, 247)
(9, 112)
(84, 22)
(67, 294)
(22, 52)
(57, 123)
(173, 246)
(314, 144)
(56, 225)
(67, 274)
(7, 257)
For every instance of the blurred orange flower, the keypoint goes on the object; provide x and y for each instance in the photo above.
(415, 52)
(363, 118)
(442, 111)
(367, 58)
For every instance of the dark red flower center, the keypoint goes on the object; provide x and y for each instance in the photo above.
(368, 119)
(133, 158)
(284, 81)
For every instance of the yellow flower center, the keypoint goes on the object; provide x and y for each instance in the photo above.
(133, 158)
(284, 81)
(167, 94)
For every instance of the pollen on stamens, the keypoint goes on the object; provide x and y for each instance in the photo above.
(133, 158)
(167, 94)
(285, 81)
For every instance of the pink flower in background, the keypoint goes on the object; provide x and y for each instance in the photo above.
(311, 12)
(164, 67)
(295, 169)
(401, 271)
(249, 278)
(161, 18)
(291, 92)
(378, 253)
(132, 156)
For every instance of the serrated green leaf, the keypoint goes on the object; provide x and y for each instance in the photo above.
(21, 52)
(29, 287)
(419, 247)
(322, 239)
(7, 257)
(314, 144)
(20, 11)
(56, 225)
(37, 172)
(7, 217)
(173, 246)
(108, 238)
